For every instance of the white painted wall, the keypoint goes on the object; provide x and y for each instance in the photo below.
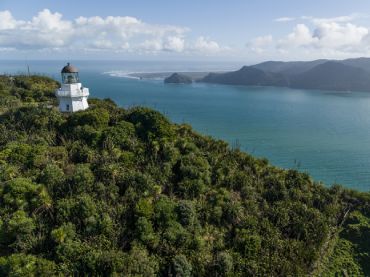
(72, 97)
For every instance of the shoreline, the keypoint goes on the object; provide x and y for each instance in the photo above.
(159, 75)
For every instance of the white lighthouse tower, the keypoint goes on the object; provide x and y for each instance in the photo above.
(72, 96)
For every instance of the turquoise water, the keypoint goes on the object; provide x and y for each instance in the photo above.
(326, 134)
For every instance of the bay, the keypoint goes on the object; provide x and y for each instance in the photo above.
(324, 133)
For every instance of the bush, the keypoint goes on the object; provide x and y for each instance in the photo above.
(114, 192)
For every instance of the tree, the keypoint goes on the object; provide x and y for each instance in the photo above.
(150, 124)
(139, 263)
(17, 232)
(23, 194)
(26, 265)
(224, 264)
(181, 267)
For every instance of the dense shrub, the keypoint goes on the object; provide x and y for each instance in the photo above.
(109, 191)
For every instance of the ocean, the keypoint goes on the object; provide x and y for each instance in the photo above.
(323, 133)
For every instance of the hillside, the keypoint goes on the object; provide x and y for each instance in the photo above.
(110, 191)
(346, 75)
(248, 76)
(333, 76)
(288, 68)
(363, 63)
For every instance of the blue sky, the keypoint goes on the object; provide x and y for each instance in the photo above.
(195, 29)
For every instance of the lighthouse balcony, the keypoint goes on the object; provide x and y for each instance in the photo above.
(78, 92)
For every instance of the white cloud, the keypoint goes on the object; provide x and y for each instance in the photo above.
(327, 37)
(7, 21)
(332, 34)
(103, 44)
(262, 41)
(176, 44)
(153, 45)
(48, 30)
(48, 21)
(44, 30)
(340, 19)
(300, 36)
(170, 44)
(284, 19)
(206, 45)
(313, 37)
(260, 44)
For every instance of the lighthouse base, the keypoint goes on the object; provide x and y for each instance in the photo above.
(72, 98)
(71, 105)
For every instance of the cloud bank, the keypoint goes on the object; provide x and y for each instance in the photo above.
(48, 30)
(309, 37)
(318, 37)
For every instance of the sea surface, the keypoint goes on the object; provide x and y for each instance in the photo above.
(324, 133)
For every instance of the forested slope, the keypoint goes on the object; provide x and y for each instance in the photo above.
(112, 191)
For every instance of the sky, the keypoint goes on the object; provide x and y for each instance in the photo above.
(234, 30)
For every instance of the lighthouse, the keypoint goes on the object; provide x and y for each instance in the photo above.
(72, 96)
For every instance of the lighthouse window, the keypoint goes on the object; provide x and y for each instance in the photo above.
(67, 107)
(70, 78)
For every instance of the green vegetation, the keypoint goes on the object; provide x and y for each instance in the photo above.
(351, 256)
(26, 91)
(110, 191)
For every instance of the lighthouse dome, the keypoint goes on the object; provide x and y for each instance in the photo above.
(69, 69)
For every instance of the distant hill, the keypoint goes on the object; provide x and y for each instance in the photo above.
(333, 76)
(363, 63)
(288, 68)
(346, 75)
(248, 76)
(177, 78)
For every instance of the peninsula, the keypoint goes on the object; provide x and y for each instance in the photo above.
(336, 75)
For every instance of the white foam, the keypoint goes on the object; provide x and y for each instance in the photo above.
(154, 75)
(122, 74)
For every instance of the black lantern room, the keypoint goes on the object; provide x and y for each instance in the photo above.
(70, 74)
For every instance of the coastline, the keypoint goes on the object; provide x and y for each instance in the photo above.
(159, 75)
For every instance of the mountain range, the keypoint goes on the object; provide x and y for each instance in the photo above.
(336, 75)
